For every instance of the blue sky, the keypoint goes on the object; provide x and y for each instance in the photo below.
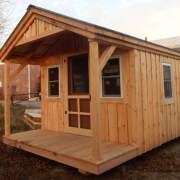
(155, 19)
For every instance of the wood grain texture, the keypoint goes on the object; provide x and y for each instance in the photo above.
(7, 99)
(160, 117)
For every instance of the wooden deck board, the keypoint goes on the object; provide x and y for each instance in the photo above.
(73, 147)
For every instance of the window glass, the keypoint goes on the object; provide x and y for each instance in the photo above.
(53, 81)
(111, 85)
(167, 81)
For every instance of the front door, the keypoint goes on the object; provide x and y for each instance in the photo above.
(78, 99)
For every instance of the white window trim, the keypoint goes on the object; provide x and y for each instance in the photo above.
(49, 67)
(121, 81)
(167, 99)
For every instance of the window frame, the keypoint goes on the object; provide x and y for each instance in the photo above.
(167, 99)
(113, 97)
(50, 67)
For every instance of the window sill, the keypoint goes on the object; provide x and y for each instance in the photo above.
(169, 101)
(113, 99)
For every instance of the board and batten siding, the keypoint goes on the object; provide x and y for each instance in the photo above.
(114, 111)
(160, 119)
(141, 116)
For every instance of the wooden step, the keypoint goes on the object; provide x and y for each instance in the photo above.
(31, 122)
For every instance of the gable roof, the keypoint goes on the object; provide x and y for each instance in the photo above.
(86, 29)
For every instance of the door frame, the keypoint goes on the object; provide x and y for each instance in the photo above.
(67, 128)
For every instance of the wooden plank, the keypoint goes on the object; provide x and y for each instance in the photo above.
(104, 122)
(154, 124)
(94, 90)
(144, 96)
(163, 108)
(173, 105)
(113, 123)
(140, 122)
(7, 99)
(43, 94)
(149, 99)
(132, 108)
(175, 124)
(178, 98)
(158, 100)
(122, 124)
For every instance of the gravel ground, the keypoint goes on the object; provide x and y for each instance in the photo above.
(160, 164)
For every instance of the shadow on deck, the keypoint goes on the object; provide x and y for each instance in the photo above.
(72, 150)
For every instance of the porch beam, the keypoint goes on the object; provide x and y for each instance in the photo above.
(18, 70)
(106, 55)
(26, 61)
(7, 99)
(94, 91)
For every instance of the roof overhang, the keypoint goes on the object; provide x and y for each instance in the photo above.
(82, 28)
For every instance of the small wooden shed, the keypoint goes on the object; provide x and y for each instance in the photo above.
(107, 97)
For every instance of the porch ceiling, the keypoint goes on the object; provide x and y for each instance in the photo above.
(61, 42)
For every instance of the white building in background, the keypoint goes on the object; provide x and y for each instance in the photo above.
(173, 42)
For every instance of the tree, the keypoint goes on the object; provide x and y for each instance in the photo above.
(3, 18)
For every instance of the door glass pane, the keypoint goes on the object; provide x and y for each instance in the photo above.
(84, 105)
(53, 74)
(73, 120)
(72, 104)
(53, 81)
(85, 121)
(54, 88)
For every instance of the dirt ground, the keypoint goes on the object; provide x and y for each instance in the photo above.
(163, 163)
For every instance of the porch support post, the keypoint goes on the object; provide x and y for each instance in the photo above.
(94, 92)
(7, 99)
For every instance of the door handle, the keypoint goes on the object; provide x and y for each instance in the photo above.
(65, 112)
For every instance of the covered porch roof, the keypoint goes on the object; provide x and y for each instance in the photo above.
(40, 32)
(56, 43)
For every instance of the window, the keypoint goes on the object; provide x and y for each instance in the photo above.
(167, 80)
(111, 80)
(78, 74)
(53, 81)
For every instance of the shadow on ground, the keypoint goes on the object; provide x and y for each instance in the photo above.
(160, 164)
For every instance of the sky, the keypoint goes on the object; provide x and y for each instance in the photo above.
(154, 19)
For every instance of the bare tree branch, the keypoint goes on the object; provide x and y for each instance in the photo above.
(4, 12)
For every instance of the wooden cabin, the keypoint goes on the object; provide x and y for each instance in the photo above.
(107, 97)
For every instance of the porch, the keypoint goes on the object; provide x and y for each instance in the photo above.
(72, 150)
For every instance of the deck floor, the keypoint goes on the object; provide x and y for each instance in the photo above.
(70, 149)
